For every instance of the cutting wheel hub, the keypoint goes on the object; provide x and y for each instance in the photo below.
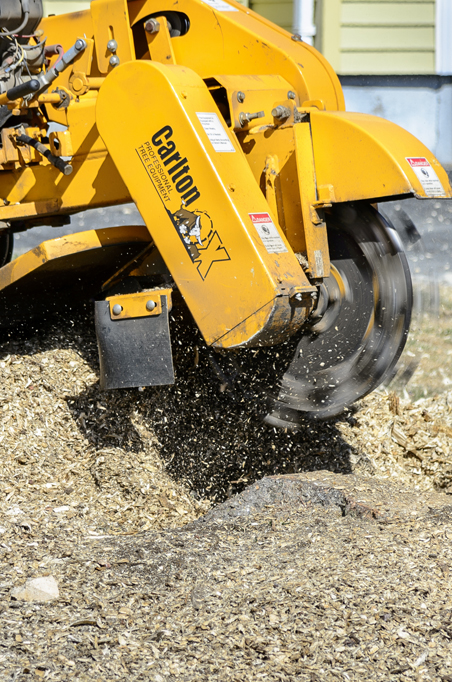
(331, 293)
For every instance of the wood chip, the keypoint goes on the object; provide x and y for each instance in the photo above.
(344, 576)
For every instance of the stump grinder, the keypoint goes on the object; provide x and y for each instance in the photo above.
(258, 193)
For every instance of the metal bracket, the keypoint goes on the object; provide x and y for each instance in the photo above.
(313, 224)
(159, 41)
(143, 304)
(134, 346)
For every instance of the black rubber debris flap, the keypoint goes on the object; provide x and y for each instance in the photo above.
(134, 352)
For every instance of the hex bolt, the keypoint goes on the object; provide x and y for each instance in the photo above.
(298, 297)
(152, 26)
(114, 60)
(291, 94)
(240, 96)
(112, 46)
(245, 118)
(117, 309)
(281, 112)
(151, 305)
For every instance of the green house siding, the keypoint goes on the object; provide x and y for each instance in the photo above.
(64, 6)
(378, 37)
(278, 12)
(394, 13)
(368, 36)
(388, 63)
(386, 39)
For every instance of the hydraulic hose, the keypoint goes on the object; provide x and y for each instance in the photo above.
(56, 161)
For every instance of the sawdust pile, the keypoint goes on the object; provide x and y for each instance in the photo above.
(132, 460)
(102, 493)
(314, 577)
(405, 442)
(72, 454)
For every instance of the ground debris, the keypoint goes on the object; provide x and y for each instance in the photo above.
(37, 590)
(74, 457)
(350, 495)
(294, 587)
(411, 446)
(338, 568)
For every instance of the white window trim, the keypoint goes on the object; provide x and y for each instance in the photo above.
(443, 35)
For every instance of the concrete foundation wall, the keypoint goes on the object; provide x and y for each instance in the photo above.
(420, 104)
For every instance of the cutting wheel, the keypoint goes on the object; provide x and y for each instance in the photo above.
(360, 325)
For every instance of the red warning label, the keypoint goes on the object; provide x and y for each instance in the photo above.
(268, 232)
(416, 161)
(426, 175)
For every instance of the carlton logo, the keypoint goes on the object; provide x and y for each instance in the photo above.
(177, 167)
(168, 171)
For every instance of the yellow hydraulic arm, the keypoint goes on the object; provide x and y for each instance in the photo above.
(194, 188)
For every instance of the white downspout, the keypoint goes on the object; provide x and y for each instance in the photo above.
(303, 20)
(443, 37)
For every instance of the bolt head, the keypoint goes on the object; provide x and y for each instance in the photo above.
(112, 46)
(298, 297)
(151, 305)
(240, 96)
(152, 26)
(291, 94)
(117, 309)
(114, 60)
(77, 84)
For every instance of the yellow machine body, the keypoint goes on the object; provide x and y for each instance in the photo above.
(194, 188)
(230, 137)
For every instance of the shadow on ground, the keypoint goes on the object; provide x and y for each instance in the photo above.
(215, 441)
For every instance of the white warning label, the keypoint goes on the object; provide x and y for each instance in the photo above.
(215, 132)
(220, 6)
(427, 176)
(268, 232)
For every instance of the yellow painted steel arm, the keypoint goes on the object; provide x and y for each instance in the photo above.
(207, 216)
(241, 41)
(55, 249)
(358, 156)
